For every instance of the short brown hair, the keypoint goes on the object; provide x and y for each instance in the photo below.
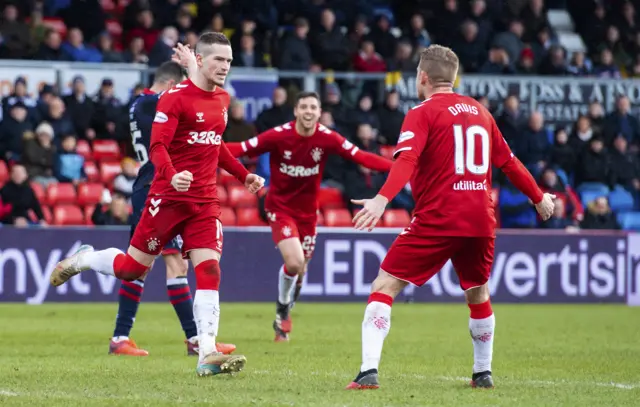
(211, 38)
(304, 95)
(440, 64)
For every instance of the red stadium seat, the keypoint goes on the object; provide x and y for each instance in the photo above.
(106, 150)
(88, 213)
(249, 217)
(396, 218)
(63, 193)
(330, 198)
(387, 151)
(227, 216)
(47, 214)
(108, 171)
(240, 197)
(4, 173)
(337, 217)
(89, 194)
(38, 189)
(84, 149)
(67, 215)
(222, 195)
(91, 171)
(226, 179)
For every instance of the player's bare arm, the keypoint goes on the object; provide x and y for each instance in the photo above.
(410, 144)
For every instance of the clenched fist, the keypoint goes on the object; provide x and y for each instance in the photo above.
(182, 181)
(254, 183)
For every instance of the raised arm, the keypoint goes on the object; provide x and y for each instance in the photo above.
(262, 143)
(348, 151)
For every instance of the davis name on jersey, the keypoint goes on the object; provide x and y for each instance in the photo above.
(453, 141)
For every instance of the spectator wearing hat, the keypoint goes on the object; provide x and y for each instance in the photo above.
(108, 111)
(116, 214)
(333, 103)
(39, 155)
(80, 109)
(526, 63)
(12, 130)
(69, 164)
(76, 47)
(47, 94)
(123, 182)
(20, 95)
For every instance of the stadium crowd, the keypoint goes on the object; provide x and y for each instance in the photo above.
(60, 151)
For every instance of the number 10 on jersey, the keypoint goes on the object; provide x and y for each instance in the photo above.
(465, 139)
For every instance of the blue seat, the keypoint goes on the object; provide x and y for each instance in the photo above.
(621, 200)
(589, 191)
(563, 176)
(629, 220)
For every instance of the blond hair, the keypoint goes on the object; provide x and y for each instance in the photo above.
(440, 64)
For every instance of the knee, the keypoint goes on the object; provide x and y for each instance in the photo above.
(128, 269)
(477, 295)
(295, 266)
(386, 284)
(208, 275)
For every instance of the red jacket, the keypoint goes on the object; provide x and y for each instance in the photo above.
(364, 63)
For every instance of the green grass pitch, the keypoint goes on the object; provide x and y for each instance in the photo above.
(545, 355)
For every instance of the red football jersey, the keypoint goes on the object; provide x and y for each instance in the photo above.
(455, 141)
(297, 164)
(189, 123)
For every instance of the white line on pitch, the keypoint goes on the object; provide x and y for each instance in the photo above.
(8, 393)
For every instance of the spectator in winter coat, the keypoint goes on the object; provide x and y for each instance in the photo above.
(599, 215)
(534, 147)
(78, 50)
(594, 165)
(117, 213)
(123, 182)
(330, 46)
(563, 155)
(80, 109)
(296, 53)
(391, 118)
(39, 155)
(368, 60)
(625, 165)
(279, 112)
(238, 129)
(19, 194)
(12, 130)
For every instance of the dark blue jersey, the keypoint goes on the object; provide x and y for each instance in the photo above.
(141, 114)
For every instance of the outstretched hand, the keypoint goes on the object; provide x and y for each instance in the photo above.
(369, 216)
